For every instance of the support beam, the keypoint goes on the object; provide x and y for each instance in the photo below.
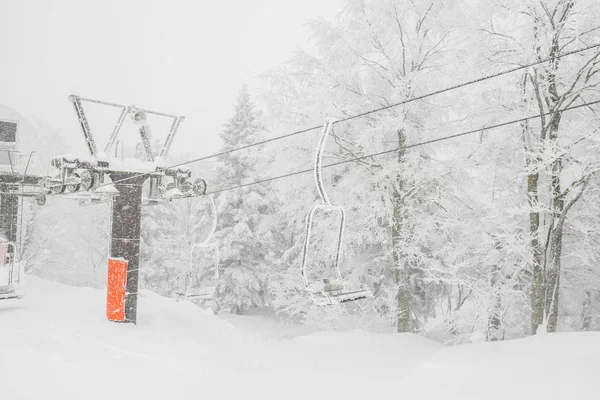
(125, 234)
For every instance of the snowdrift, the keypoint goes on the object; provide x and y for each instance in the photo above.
(56, 344)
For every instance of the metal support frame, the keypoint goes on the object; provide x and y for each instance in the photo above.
(125, 110)
(69, 180)
(144, 133)
(116, 129)
(176, 122)
(85, 126)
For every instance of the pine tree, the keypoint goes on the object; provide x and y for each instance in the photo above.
(245, 230)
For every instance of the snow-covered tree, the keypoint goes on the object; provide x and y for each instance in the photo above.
(169, 231)
(246, 222)
(374, 54)
(558, 161)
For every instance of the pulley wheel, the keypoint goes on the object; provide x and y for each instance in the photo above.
(199, 187)
(87, 179)
(40, 199)
(73, 187)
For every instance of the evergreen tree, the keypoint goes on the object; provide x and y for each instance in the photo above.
(245, 215)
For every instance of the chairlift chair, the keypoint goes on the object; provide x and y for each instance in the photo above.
(11, 285)
(326, 291)
(189, 286)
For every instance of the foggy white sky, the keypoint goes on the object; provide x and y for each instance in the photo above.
(178, 56)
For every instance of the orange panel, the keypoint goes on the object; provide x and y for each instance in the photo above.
(115, 294)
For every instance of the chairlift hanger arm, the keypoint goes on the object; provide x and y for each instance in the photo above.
(325, 133)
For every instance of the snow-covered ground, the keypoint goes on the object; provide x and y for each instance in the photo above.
(56, 344)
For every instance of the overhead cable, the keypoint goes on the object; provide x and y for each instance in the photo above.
(376, 110)
(410, 146)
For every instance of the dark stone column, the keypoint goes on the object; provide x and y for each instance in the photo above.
(125, 234)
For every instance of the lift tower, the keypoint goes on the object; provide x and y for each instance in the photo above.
(99, 177)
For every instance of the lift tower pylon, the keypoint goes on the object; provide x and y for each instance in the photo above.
(84, 178)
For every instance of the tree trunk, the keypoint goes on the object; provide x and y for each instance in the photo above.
(403, 292)
(547, 266)
(553, 258)
(537, 292)
(553, 279)
(586, 312)
(494, 331)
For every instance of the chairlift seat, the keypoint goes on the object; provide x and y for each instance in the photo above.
(327, 292)
(7, 289)
(9, 292)
(352, 295)
(202, 293)
(330, 298)
(199, 293)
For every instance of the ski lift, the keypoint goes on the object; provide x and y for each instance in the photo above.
(326, 291)
(189, 283)
(11, 286)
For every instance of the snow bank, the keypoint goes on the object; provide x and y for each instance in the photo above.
(56, 343)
